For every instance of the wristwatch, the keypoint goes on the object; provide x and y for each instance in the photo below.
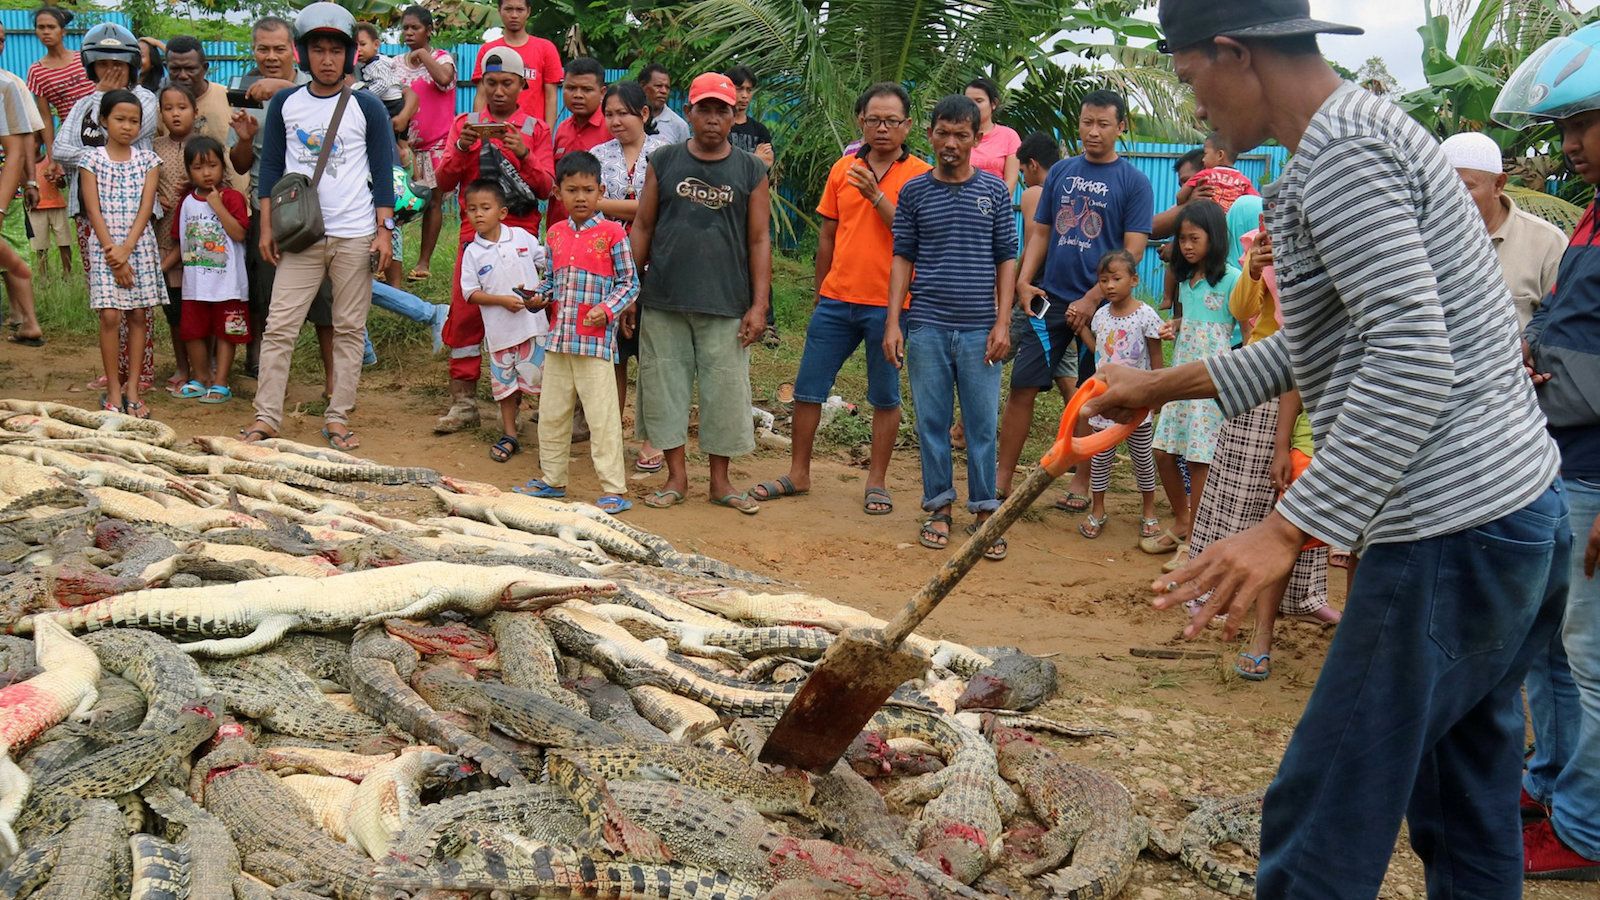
(389, 224)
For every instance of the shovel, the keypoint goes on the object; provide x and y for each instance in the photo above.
(865, 665)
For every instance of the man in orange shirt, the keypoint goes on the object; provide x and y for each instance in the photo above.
(854, 253)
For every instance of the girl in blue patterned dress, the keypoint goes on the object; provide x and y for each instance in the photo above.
(1203, 328)
(118, 189)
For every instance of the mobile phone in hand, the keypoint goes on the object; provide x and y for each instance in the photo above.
(1040, 307)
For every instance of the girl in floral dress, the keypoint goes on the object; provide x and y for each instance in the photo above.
(118, 191)
(1202, 327)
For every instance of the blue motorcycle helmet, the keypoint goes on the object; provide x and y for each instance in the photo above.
(1560, 80)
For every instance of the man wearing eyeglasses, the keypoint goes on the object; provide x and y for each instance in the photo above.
(853, 257)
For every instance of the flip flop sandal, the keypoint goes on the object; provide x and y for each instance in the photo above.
(878, 496)
(108, 406)
(1149, 528)
(1075, 503)
(1264, 659)
(418, 275)
(217, 394)
(1092, 526)
(138, 410)
(26, 341)
(930, 537)
(534, 487)
(344, 441)
(99, 384)
(742, 502)
(505, 448)
(190, 390)
(248, 435)
(613, 504)
(664, 499)
(776, 488)
(997, 548)
(653, 464)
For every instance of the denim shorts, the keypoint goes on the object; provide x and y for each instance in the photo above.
(836, 330)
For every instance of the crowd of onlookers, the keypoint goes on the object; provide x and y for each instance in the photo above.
(628, 231)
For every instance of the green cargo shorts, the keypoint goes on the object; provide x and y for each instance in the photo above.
(677, 351)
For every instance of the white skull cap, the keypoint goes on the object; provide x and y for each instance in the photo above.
(1473, 150)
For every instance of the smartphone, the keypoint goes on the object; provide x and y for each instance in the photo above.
(1040, 307)
(490, 128)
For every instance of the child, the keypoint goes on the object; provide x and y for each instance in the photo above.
(500, 262)
(118, 189)
(208, 230)
(1227, 183)
(48, 218)
(591, 280)
(1127, 332)
(1202, 326)
(177, 116)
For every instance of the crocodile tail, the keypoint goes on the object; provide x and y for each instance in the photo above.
(1218, 875)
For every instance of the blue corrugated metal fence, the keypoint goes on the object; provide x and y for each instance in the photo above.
(1156, 161)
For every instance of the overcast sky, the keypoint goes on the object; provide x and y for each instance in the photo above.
(1391, 33)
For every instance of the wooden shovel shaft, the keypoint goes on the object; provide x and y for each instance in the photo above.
(957, 566)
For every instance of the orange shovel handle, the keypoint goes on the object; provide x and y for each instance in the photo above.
(1068, 451)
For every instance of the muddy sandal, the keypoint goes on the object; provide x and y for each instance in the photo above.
(1162, 544)
(1071, 502)
(742, 502)
(931, 537)
(877, 497)
(997, 548)
(505, 448)
(1092, 526)
(1264, 662)
(777, 487)
(664, 499)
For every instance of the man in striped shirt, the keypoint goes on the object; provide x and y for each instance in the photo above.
(1432, 461)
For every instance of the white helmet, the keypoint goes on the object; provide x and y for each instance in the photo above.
(108, 40)
(330, 19)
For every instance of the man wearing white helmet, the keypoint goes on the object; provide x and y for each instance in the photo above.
(356, 195)
(1529, 247)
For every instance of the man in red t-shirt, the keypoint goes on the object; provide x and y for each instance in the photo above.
(586, 128)
(540, 60)
(524, 143)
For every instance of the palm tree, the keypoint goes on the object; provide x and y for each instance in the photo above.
(815, 57)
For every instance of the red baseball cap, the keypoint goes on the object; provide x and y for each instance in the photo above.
(712, 86)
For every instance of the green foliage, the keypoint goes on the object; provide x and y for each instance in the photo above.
(814, 59)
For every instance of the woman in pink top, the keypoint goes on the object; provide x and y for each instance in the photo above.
(430, 73)
(996, 152)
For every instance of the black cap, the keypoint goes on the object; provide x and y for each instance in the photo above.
(1189, 22)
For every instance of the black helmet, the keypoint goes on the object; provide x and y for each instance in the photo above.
(108, 40)
(330, 19)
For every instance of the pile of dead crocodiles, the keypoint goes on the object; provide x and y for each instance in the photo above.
(274, 670)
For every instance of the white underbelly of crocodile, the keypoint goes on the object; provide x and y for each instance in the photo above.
(250, 616)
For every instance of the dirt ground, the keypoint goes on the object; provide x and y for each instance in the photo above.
(1185, 727)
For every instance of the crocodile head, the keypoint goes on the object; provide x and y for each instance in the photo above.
(960, 855)
(456, 640)
(539, 590)
(1015, 681)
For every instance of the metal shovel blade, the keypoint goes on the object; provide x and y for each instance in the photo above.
(857, 674)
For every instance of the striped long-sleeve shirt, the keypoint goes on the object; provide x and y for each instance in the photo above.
(1399, 332)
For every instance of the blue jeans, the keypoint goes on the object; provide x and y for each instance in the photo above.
(1564, 698)
(1413, 716)
(406, 304)
(836, 330)
(942, 363)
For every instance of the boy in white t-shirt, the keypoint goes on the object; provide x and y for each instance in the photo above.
(499, 271)
(208, 240)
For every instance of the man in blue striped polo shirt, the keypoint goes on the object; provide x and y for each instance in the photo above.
(953, 228)
(1431, 461)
